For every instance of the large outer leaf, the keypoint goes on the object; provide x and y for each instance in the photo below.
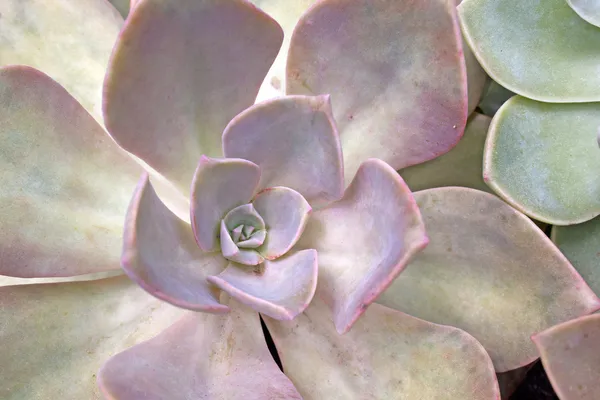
(180, 71)
(386, 355)
(56, 336)
(539, 49)
(396, 75)
(491, 271)
(64, 186)
(202, 356)
(570, 353)
(69, 40)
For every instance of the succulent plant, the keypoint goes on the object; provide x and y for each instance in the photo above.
(270, 147)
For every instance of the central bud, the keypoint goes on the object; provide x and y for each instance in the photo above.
(242, 232)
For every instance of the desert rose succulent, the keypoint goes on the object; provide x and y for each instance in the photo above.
(280, 196)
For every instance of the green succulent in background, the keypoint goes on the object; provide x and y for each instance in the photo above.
(267, 135)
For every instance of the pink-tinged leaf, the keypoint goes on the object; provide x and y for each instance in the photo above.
(65, 183)
(285, 213)
(56, 336)
(219, 185)
(281, 289)
(364, 240)
(161, 255)
(231, 251)
(490, 271)
(395, 71)
(295, 142)
(386, 355)
(179, 72)
(202, 356)
(570, 353)
(69, 41)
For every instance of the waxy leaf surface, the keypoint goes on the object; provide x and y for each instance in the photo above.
(65, 184)
(180, 71)
(60, 334)
(396, 75)
(570, 353)
(386, 355)
(490, 271)
(541, 50)
(543, 159)
(364, 240)
(295, 142)
(69, 41)
(161, 255)
(202, 356)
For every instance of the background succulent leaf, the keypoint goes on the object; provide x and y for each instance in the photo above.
(571, 355)
(220, 357)
(364, 240)
(70, 42)
(281, 289)
(57, 219)
(61, 333)
(295, 142)
(396, 75)
(461, 166)
(581, 245)
(386, 355)
(539, 49)
(490, 271)
(543, 159)
(180, 71)
(161, 255)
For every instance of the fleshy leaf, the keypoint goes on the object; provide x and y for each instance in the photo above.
(386, 355)
(65, 184)
(286, 13)
(364, 240)
(461, 166)
(581, 245)
(202, 356)
(219, 185)
(543, 160)
(476, 76)
(161, 255)
(491, 271)
(244, 215)
(395, 71)
(505, 37)
(295, 142)
(570, 353)
(589, 10)
(281, 289)
(61, 333)
(71, 42)
(179, 72)
(231, 251)
(285, 213)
